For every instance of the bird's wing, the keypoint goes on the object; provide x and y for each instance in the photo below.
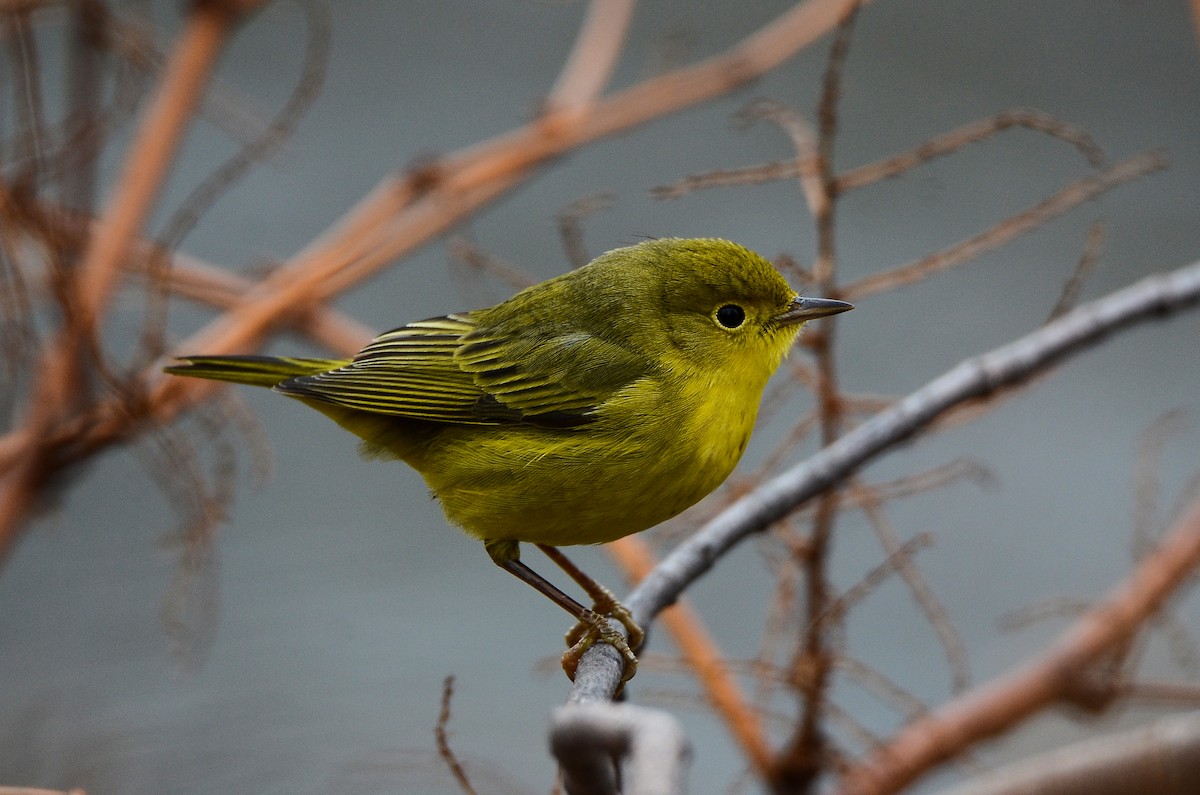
(453, 369)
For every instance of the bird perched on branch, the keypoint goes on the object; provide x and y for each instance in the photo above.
(583, 409)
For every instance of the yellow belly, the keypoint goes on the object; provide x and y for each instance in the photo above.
(627, 471)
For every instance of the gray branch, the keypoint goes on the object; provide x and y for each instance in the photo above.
(589, 740)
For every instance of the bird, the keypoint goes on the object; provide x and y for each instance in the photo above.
(583, 409)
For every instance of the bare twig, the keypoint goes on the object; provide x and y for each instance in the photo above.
(1066, 199)
(205, 283)
(442, 736)
(882, 688)
(806, 752)
(153, 148)
(809, 164)
(839, 607)
(1146, 471)
(1083, 269)
(570, 224)
(950, 142)
(935, 612)
(1042, 610)
(482, 262)
(869, 174)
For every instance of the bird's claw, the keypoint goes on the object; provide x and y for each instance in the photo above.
(594, 627)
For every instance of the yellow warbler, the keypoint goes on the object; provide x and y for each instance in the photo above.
(585, 408)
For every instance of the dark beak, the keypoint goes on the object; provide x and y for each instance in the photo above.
(803, 309)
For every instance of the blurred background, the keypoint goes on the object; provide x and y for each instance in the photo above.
(317, 641)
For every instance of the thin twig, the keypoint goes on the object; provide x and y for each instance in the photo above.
(442, 737)
(804, 754)
(883, 688)
(484, 263)
(948, 143)
(933, 609)
(1083, 269)
(570, 224)
(153, 149)
(1146, 471)
(838, 608)
(1064, 200)
(869, 174)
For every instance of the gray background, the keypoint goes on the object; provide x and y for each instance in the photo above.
(344, 599)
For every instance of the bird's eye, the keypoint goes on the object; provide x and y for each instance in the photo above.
(731, 316)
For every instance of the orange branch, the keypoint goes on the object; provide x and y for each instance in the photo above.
(1049, 679)
(594, 55)
(153, 148)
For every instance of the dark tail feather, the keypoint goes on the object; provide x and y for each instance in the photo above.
(254, 370)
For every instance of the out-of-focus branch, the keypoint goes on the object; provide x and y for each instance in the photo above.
(586, 738)
(1162, 757)
(212, 285)
(947, 143)
(871, 173)
(1052, 677)
(60, 381)
(978, 378)
(159, 135)
(594, 56)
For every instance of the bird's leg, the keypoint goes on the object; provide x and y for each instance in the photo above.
(603, 601)
(506, 555)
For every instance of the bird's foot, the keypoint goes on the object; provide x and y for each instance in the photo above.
(594, 627)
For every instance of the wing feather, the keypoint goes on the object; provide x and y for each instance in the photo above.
(457, 369)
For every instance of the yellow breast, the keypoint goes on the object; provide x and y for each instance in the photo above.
(636, 466)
